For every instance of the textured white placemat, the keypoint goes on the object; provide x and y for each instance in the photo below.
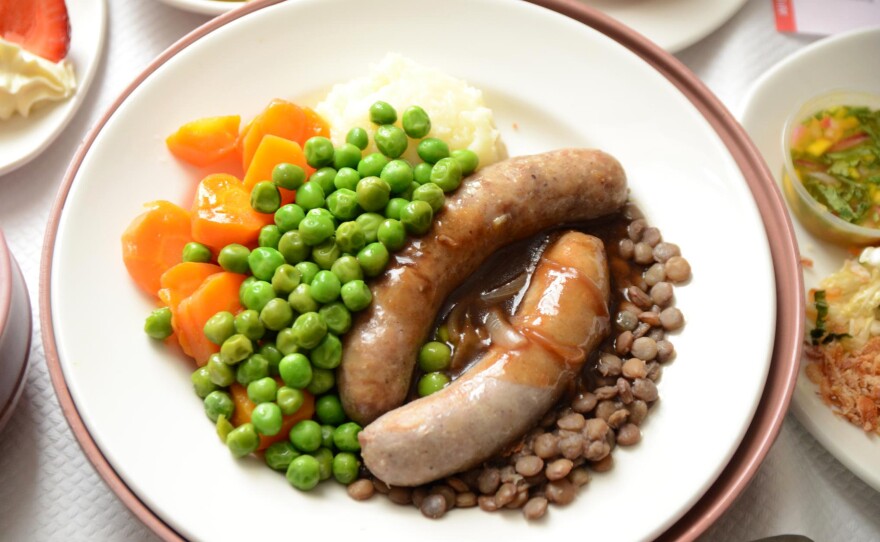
(49, 491)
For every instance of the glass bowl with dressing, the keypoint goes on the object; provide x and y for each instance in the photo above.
(831, 175)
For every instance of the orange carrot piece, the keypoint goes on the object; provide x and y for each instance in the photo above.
(177, 284)
(316, 125)
(218, 292)
(153, 243)
(205, 141)
(272, 151)
(244, 407)
(222, 213)
(280, 118)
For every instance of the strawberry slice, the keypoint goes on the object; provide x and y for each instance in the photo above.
(38, 26)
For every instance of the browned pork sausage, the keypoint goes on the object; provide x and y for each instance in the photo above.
(563, 316)
(502, 203)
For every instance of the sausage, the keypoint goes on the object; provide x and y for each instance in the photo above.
(501, 204)
(562, 317)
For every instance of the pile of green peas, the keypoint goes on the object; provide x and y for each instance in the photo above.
(306, 278)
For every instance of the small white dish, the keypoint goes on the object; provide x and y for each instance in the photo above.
(15, 332)
(205, 7)
(838, 63)
(23, 138)
(671, 24)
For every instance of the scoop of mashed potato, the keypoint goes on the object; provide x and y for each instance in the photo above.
(458, 115)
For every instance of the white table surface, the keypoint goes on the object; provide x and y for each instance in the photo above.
(49, 490)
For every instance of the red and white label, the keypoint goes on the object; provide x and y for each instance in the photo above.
(825, 17)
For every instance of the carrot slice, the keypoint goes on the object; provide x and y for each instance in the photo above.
(244, 407)
(154, 242)
(316, 125)
(205, 141)
(272, 151)
(222, 213)
(218, 292)
(180, 282)
(280, 118)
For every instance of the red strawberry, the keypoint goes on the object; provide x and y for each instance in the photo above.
(38, 26)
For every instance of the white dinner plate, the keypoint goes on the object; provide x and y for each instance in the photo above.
(545, 76)
(840, 62)
(671, 24)
(23, 138)
(205, 7)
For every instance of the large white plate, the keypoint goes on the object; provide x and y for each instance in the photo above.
(552, 82)
(205, 7)
(834, 63)
(23, 138)
(671, 24)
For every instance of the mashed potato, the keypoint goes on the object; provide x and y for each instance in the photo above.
(458, 115)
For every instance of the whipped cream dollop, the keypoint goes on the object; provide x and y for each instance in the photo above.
(27, 80)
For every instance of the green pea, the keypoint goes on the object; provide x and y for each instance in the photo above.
(257, 294)
(416, 217)
(322, 212)
(329, 409)
(263, 261)
(327, 436)
(416, 122)
(422, 173)
(262, 390)
(248, 323)
(345, 437)
(323, 381)
(245, 284)
(289, 176)
(372, 193)
(288, 217)
(392, 209)
(158, 324)
(253, 368)
(432, 194)
(277, 314)
(201, 382)
(285, 343)
(220, 373)
(265, 197)
(346, 178)
(234, 258)
(398, 174)
(235, 349)
(308, 330)
(285, 279)
(434, 356)
(326, 253)
(431, 383)
(266, 417)
(325, 287)
(328, 353)
(325, 463)
(343, 204)
(346, 268)
(315, 229)
(443, 333)
(467, 159)
(337, 317)
(243, 440)
(279, 455)
(356, 295)
(369, 224)
(373, 259)
(307, 270)
(223, 428)
(391, 234)
(358, 137)
(350, 237)
(269, 351)
(289, 400)
(269, 236)
(196, 252)
(293, 248)
(345, 467)
(295, 370)
(325, 177)
(310, 196)
(446, 174)
(301, 299)
(303, 473)
(407, 194)
(318, 151)
(391, 140)
(371, 165)
(382, 113)
(306, 436)
(432, 150)
(346, 155)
